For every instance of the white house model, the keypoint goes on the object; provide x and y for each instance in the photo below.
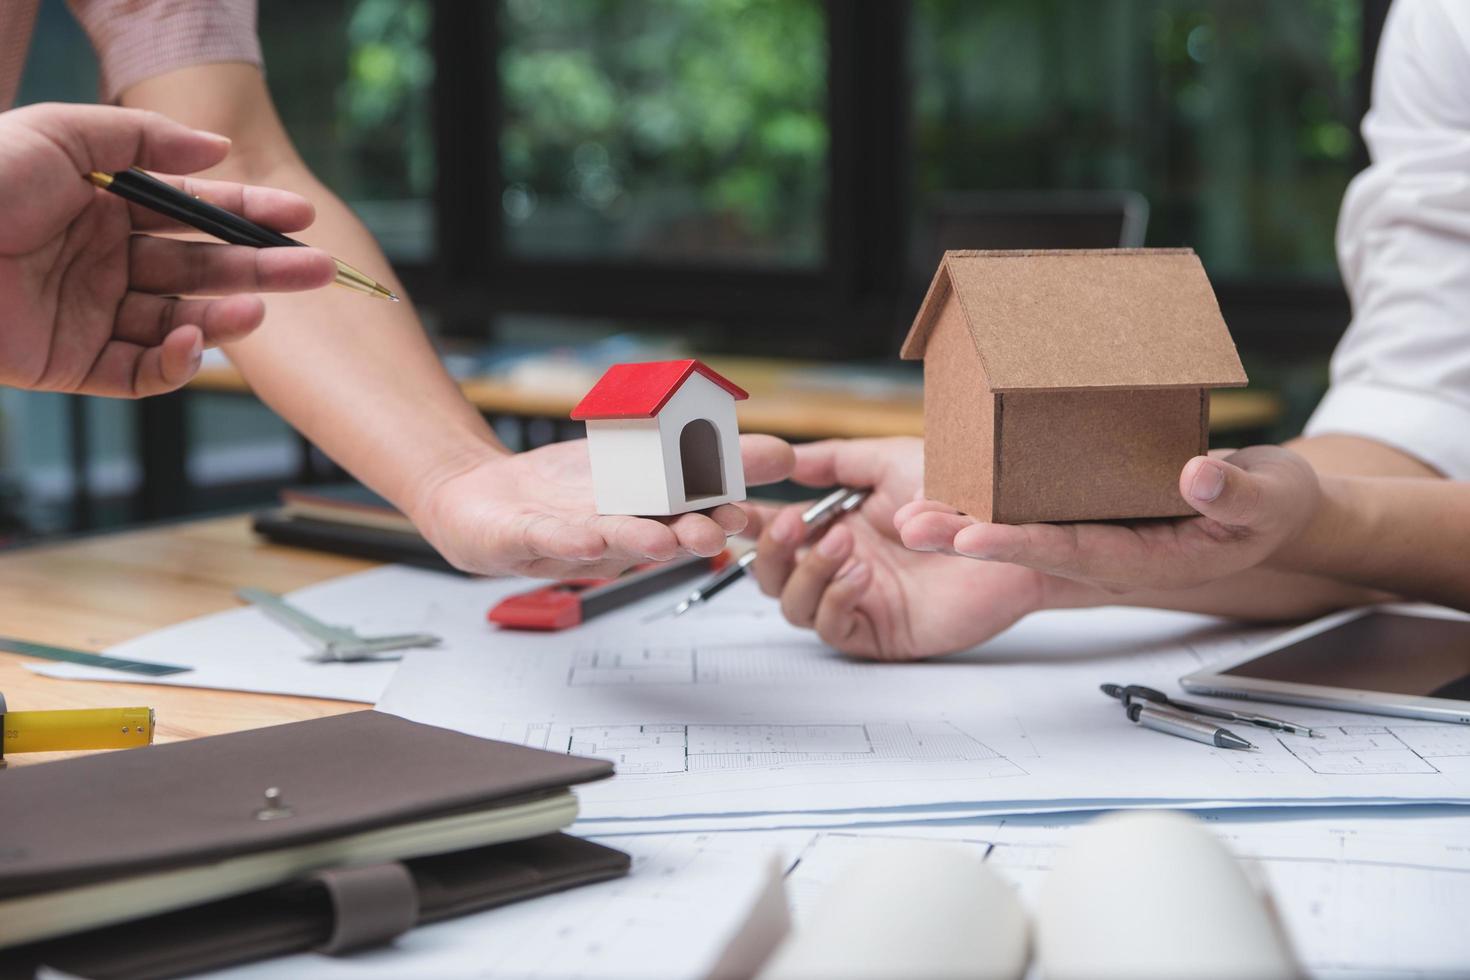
(663, 438)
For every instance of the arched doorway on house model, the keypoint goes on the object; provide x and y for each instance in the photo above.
(699, 460)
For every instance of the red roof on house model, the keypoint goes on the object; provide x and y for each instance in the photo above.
(640, 391)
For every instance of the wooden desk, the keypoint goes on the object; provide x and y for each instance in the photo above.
(779, 404)
(92, 593)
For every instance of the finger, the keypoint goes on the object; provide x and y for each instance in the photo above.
(124, 370)
(162, 265)
(109, 138)
(266, 206)
(766, 459)
(933, 530)
(838, 623)
(698, 535)
(639, 539)
(547, 537)
(917, 506)
(812, 574)
(758, 517)
(731, 518)
(1096, 552)
(775, 552)
(1223, 492)
(145, 319)
(849, 462)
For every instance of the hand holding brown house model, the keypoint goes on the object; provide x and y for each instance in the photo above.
(1068, 385)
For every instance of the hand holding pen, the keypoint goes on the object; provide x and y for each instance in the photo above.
(831, 507)
(91, 289)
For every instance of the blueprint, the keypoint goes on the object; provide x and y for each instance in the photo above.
(1378, 892)
(1362, 892)
(730, 711)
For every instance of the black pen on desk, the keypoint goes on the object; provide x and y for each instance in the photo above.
(149, 192)
(840, 501)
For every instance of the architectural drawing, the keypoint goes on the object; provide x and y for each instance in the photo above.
(1360, 750)
(732, 663)
(647, 749)
(1360, 895)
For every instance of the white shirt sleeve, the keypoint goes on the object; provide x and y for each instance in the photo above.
(1401, 374)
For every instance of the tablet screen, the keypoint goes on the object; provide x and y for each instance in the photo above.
(1389, 652)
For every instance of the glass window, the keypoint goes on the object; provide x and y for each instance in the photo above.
(669, 130)
(352, 83)
(1233, 118)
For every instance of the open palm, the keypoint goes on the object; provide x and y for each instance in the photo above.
(1251, 502)
(91, 305)
(533, 514)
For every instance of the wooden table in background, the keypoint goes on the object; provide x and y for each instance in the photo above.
(779, 403)
(92, 593)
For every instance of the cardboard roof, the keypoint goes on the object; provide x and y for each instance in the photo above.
(640, 391)
(1086, 318)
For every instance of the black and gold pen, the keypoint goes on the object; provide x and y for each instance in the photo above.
(149, 192)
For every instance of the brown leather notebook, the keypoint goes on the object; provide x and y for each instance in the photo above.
(187, 822)
(320, 913)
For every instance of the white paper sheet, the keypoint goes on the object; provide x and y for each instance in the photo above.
(684, 900)
(1363, 892)
(875, 821)
(1376, 892)
(243, 650)
(731, 711)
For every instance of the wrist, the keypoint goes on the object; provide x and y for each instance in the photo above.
(1336, 520)
(424, 496)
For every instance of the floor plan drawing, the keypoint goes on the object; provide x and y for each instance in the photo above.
(1361, 895)
(708, 664)
(651, 749)
(1352, 750)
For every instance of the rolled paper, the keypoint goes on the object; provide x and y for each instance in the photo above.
(920, 909)
(1148, 895)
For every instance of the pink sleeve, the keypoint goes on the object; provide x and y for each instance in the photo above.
(138, 39)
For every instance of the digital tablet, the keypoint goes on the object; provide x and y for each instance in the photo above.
(1386, 660)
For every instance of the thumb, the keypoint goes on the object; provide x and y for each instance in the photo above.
(1223, 492)
(110, 138)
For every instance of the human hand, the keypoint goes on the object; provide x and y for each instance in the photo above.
(1251, 503)
(861, 589)
(91, 306)
(532, 513)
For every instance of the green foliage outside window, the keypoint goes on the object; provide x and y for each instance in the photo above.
(669, 128)
(1233, 117)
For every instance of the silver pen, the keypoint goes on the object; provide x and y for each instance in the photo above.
(1169, 722)
(1136, 692)
(823, 512)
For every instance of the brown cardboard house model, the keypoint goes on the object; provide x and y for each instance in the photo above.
(1068, 385)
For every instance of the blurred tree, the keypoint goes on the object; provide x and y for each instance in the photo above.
(382, 102)
(671, 128)
(1232, 116)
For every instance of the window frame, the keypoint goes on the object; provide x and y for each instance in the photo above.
(853, 305)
